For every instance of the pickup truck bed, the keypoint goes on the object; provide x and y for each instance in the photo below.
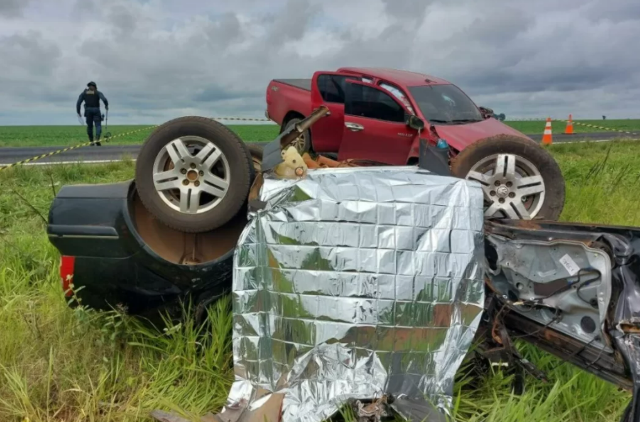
(298, 83)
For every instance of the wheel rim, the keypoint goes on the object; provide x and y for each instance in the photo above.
(191, 175)
(512, 186)
(299, 142)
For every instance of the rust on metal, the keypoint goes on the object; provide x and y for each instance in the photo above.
(630, 328)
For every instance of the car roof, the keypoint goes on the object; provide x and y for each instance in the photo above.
(402, 77)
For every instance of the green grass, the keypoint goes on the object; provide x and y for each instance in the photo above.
(28, 136)
(59, 364)
(558, 127)
(39, 136)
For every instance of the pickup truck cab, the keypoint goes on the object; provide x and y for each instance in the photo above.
(370, 111)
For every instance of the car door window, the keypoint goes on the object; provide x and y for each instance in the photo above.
(397, 92)
(332, 87)
(373, 103)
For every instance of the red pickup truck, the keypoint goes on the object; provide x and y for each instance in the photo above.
(372, 117)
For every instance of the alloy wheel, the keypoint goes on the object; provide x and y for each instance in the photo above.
(512, 186)
(191, 175)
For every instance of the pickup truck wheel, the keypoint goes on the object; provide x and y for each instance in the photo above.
(193, 174)
(519, 178)
(302, 142)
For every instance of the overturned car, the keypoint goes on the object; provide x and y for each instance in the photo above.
(350, 280)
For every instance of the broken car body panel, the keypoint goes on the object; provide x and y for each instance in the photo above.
(119, 256)
(573, 290)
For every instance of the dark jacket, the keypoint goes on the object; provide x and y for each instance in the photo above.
(91, 100)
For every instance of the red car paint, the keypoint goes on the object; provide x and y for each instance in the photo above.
(67, 264)
(390, 142)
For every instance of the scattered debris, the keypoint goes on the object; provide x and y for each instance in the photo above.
(372, 412)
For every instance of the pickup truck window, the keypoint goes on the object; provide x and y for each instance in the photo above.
(332, 87)
(369, 102)
(399, 95)
(445, 104)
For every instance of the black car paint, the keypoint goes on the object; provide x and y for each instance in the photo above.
(113, 264)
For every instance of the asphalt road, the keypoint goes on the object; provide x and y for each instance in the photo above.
(116, 152)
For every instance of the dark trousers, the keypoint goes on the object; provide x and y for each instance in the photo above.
(93, 116)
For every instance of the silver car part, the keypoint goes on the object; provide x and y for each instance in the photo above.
(191, 175)
(512, 186)
(562, 284)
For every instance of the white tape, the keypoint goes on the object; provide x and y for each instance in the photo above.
(47, 163)
(570, 265)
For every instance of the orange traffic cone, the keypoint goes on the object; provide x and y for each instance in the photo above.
(569, 129)
(547, 139)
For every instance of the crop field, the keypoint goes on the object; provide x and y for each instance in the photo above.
(39, 136)
(61, 364)
(32, 136)
(537, 127)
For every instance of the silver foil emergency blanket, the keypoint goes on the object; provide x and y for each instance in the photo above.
(356, 283)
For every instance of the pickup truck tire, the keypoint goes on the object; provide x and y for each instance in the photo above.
(529, 184)
(303, 142)
(194, 174)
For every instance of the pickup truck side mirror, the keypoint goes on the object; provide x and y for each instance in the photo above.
(486, 112)
(414, 122)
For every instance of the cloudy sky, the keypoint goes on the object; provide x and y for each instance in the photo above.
(160, 59)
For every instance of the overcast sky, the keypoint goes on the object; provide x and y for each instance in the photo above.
(160, 59)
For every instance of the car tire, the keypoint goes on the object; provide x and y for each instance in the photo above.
(531, 184)
(303, 142)
(214, 167)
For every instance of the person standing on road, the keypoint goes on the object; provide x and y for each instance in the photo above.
(91, 97)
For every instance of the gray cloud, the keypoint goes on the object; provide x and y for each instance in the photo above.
(158, 59)
(12, 8)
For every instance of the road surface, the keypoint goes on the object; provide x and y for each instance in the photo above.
(116, 152)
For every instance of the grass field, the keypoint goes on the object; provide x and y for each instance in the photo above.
(58, 364)
(37, 136)
(537, 127)
(28, 136)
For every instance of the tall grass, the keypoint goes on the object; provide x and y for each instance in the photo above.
(62, 364)
(602, 181)
(59, 364)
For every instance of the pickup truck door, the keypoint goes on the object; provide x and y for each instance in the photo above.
(374, 126)
(327, 88)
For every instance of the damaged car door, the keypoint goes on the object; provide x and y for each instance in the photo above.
(571, 290)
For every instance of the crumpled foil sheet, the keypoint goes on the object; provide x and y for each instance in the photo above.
(355, 283)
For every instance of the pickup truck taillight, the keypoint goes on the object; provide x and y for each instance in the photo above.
(67, 264)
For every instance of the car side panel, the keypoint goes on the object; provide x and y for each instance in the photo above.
(372, 134)
(380, 141)
(326, 133)
(118, 267)
(282, 99)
